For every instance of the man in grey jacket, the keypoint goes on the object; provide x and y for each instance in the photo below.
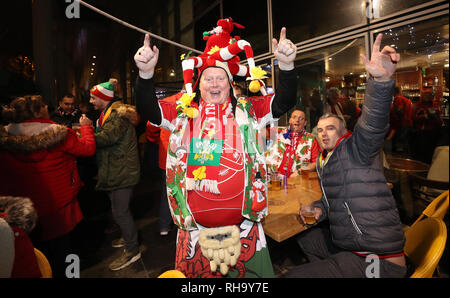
(362, 236)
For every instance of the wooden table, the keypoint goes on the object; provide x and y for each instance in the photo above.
(407, 165)
(400, 167)
(284, 220)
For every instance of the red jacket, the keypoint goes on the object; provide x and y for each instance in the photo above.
(38, 159)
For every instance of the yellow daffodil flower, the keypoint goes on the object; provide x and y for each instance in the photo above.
(258, 73)
(200, 173)
(213, 50)
(185, 101)
(243, 101)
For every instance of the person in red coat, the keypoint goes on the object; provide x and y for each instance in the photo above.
(427, 124)
(400, 122)
(39, 161)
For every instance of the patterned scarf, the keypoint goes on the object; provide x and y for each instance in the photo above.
(206, 147)
(61, 112)
(289, 153)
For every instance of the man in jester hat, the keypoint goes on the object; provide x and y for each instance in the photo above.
(215, 162)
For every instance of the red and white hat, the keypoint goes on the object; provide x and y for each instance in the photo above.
(105, 90)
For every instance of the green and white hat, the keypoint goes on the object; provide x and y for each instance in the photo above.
(105, 90)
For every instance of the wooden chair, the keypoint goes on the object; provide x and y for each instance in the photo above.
(425, 244)
(43, 264)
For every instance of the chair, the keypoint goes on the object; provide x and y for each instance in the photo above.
(424, 191)
(172, 274)
(437, 208)
(43, 264)
(425, 244)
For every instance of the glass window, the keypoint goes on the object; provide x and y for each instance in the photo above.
(206, 23)
(383, 8)
(256, 28)
(305, 21)
(424, 56)
(336, 66)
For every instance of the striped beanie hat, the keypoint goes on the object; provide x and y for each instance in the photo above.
(105, 90)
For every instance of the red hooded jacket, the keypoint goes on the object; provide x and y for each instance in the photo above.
(38, 159)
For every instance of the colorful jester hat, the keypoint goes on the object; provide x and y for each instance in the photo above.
(222, 47)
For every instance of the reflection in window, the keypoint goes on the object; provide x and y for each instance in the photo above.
(424, 50)
(383, 8)
(305, 21)
(337, 66)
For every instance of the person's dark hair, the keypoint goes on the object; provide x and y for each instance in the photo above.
(69, 95)
(297, 109)
(23, 108)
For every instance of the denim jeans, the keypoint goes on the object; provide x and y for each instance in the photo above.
(120, 204)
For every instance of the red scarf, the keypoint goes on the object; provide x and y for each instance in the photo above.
(289, 153)
(204, 156)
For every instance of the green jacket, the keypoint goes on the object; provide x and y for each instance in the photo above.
(117, 149)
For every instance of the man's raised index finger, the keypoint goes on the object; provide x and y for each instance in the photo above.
(147, 41)
(282, 34)
(377, 43)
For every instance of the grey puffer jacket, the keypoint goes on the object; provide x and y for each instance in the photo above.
(356, 200)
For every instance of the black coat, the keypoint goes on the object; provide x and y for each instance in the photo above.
(66, 119)
(356, 200)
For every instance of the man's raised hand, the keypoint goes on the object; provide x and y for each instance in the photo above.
(146, 59)
(285, 51)
(382, 64)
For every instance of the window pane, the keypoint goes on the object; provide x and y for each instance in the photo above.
(256, 29)
(207, 22)
(338, 66)
(305, 20)
(424, 55)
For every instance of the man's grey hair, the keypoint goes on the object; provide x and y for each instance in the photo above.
(342, 127)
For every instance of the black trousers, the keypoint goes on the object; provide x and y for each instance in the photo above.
(329, 261)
